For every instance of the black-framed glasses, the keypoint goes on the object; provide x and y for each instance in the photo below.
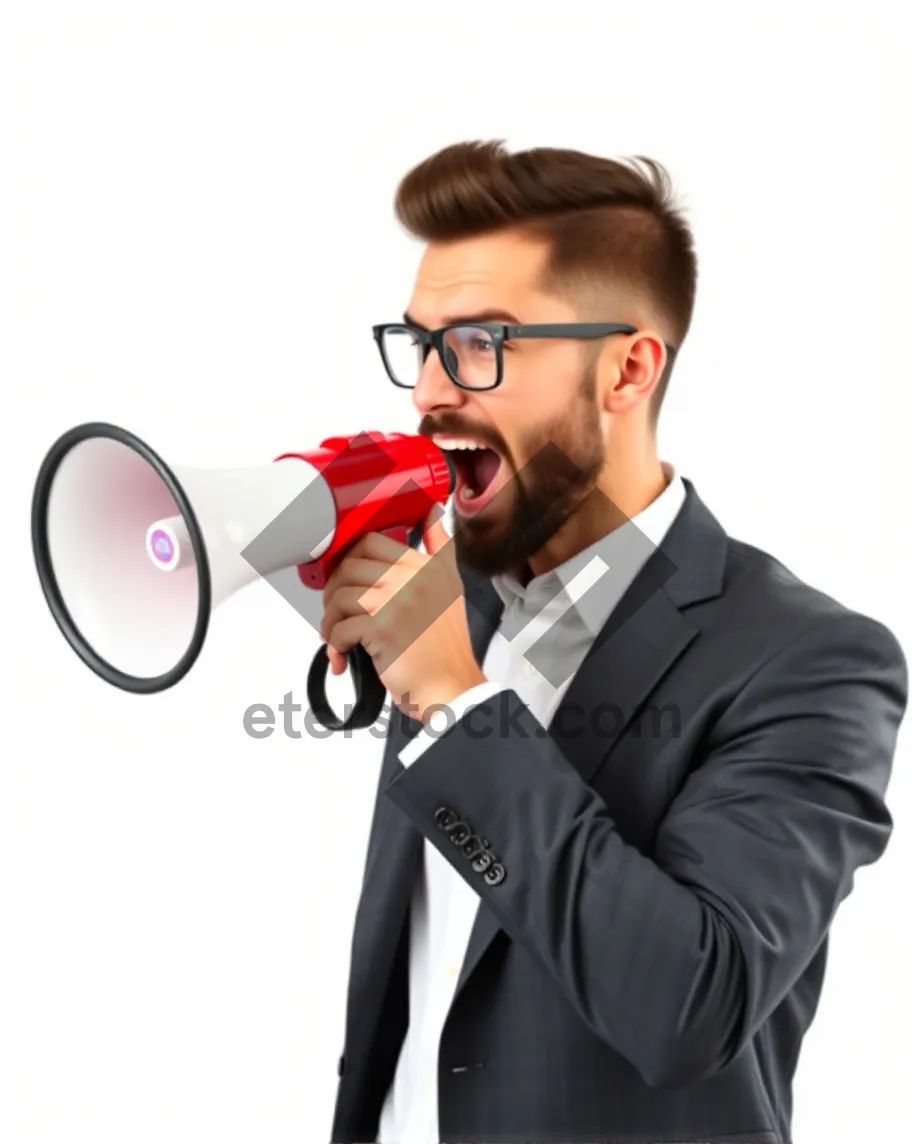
(472, 353)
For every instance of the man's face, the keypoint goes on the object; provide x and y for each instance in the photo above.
(542, 426)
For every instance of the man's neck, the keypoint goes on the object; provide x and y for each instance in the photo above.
(619, 495)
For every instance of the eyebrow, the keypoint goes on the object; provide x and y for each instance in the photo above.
(488, 315)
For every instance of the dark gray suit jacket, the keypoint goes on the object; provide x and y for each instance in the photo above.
(657, 872)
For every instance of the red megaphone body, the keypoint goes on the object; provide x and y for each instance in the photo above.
(380, 482)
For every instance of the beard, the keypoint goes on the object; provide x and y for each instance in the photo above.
(567, 457)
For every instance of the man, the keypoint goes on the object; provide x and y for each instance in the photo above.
(634, 763)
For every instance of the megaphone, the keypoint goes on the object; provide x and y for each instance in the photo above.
(134, 555)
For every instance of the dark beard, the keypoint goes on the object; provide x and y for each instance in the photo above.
(544, 494)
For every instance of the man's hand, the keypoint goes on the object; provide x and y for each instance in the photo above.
(407, 609)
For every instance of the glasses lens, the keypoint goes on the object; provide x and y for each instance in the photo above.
(469, 355)
(404, 355)
(472, 356)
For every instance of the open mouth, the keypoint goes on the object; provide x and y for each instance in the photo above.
(480, 472)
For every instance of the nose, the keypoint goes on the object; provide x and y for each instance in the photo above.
(435, 389)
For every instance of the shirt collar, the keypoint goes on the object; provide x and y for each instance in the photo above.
(624, 549)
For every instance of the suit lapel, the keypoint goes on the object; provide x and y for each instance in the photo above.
(639, 643)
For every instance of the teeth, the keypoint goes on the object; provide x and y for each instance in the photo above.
(457, 443)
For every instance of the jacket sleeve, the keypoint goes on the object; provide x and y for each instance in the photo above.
(676, 959)
(435, 727)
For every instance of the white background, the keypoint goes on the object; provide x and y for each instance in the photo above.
(197, 236)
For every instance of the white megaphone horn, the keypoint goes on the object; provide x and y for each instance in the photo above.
(133, 555)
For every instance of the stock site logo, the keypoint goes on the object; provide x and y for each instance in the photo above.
(586, 591)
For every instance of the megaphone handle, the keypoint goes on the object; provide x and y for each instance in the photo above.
(370, 694)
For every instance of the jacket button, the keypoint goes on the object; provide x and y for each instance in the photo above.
(474, 846)
(460, 833)
(496, 874)
(482, 862)
(445, 817)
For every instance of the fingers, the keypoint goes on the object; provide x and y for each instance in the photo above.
(344, 635)
(345, 602)
(376, 546)
(368, 561)
(355, 570)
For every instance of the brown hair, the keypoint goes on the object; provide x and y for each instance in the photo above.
(610, 224)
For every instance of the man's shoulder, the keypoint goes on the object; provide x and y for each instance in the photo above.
(759, 589)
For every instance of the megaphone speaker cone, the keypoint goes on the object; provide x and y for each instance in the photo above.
(98, 491)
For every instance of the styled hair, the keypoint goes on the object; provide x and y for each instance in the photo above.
(612, 226)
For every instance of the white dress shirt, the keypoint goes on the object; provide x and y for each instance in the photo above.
(444, 905)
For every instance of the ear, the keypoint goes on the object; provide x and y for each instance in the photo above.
(635, 373)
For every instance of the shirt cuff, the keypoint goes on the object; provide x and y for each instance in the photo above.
(442, 720)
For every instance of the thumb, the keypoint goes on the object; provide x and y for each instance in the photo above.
(436, 537)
